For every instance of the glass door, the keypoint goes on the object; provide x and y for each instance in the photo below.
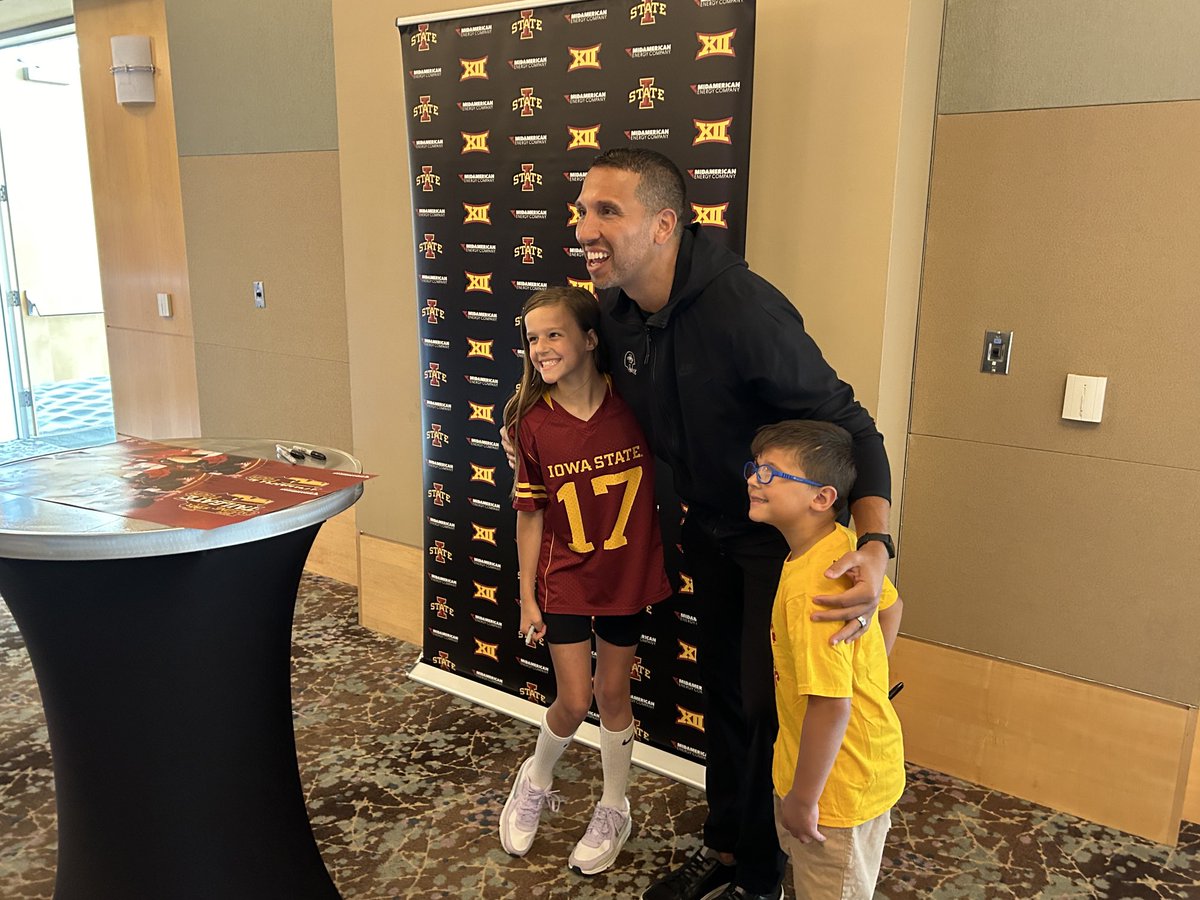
(53, 319)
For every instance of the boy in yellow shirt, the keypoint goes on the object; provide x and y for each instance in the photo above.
(839, 755)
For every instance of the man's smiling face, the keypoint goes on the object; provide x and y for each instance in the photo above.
(615, 229)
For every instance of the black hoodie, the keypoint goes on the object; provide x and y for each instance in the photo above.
(727, 355)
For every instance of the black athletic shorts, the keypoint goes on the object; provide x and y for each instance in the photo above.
(620, 631)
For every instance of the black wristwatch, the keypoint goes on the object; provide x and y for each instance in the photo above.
(885, 539)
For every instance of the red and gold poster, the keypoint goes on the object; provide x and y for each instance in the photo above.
(176, 486)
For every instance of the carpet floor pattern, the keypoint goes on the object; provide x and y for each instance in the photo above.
(405, 784)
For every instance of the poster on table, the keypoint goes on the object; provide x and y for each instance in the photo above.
(176, 486)
(505, 112)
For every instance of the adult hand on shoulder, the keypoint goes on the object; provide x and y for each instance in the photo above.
(507, 445)
(866, 568)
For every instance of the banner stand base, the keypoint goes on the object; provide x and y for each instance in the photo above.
(650, 758)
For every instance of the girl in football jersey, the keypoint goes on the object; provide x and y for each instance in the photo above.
(590, 557)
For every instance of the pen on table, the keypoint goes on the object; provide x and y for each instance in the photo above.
(896, 688)
(285, 454)
(315, 454)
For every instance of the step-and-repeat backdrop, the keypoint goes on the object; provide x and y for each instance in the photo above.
(505, 112)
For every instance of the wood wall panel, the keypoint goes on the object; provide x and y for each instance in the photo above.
(153, 378)
(391, 590)
(335, 551)
(1106, 755)
(1069, 563)
(1191, 797)
(139, 225)
(1030, 54)
(1077, 230)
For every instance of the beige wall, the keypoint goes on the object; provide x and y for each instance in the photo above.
(261, 202)
(1063, 207)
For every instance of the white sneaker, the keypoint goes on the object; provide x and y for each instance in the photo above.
(522, 810)
(603, 840)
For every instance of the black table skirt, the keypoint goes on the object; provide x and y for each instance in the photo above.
(167, 691)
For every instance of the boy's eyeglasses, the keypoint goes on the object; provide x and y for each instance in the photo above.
(764, 474)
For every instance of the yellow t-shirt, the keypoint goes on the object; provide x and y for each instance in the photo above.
(868, 773)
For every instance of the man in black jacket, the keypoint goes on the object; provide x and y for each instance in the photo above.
(706, 352)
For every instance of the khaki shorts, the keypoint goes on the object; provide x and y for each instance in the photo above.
(845, 867)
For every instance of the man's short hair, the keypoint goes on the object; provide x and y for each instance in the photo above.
(661, 185)
(823, 450)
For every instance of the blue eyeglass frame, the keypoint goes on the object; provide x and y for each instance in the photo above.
(751, 467)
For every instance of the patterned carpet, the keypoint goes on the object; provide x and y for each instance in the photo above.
(405, 786)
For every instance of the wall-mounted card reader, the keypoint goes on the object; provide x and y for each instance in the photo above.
(997, 348)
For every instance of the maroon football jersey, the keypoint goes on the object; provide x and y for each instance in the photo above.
(601, 550)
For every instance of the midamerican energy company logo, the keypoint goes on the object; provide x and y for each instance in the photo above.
(584, 57)
(473, 68)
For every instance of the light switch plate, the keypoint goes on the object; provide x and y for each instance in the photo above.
(1084, 397)
(260, 300)
(164, 306)
(997, 351)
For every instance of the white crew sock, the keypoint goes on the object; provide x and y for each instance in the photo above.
(616, 754)
(549, 748)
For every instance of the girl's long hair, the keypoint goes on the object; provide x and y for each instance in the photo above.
(585, 310)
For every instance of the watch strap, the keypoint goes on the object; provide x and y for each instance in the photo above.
(885, 539)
